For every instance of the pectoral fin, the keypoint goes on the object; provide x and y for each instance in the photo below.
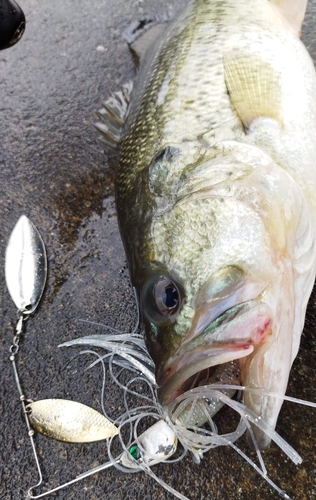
(293, 11)
(253, 86)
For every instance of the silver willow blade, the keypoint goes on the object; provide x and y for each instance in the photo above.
(25, 266)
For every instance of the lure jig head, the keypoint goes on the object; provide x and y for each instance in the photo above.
(12, 23)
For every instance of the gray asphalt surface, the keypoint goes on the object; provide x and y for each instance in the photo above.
(54, 170)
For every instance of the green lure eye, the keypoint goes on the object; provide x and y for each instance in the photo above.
(134, 451)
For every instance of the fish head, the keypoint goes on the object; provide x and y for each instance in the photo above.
(217, 285)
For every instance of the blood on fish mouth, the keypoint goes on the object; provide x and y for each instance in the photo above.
(231, 336)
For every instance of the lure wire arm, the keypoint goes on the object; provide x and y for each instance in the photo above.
(88, 473)
(14, 349)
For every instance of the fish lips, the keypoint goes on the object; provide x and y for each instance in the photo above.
(233, 335)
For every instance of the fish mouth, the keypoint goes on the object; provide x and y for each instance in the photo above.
(233, 335)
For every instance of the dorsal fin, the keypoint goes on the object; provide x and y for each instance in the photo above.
(113, 115)
(293, 11)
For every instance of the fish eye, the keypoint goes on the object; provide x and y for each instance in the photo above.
(166, 296)
(162, 300)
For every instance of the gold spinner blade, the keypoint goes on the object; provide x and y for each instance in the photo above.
(69, 421)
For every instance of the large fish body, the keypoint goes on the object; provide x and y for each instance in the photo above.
(216, 195)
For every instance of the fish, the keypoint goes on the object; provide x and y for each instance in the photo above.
(215, 195)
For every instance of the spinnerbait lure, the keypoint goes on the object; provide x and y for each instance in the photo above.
(26, 273)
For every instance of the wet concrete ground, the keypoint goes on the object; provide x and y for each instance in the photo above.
(54, 170)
